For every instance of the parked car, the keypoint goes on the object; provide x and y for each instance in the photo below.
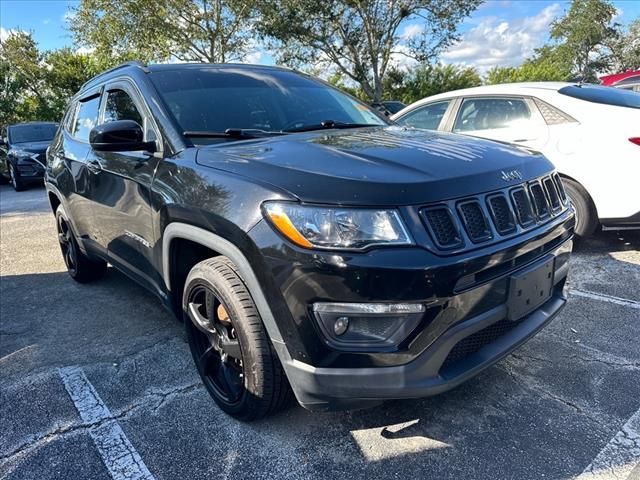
(591, 133)
(308, 244)
(388, 107)
(625, 80)
(22, 152)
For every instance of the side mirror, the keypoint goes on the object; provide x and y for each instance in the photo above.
(119, 136)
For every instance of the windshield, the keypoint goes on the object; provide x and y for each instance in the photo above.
(605, 95)
(216, 99)
(43, 132)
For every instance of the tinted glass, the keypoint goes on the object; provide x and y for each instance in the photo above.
(427, 117)
(86, 118)
(605, 95)
(488, 113)
(32, 133)
(209, 99)
(120, 106)
(394, 107)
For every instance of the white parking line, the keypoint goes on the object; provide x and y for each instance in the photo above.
(122, 460)
(605, 298)
(620, 458)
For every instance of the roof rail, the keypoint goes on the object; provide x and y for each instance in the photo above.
(131, 63)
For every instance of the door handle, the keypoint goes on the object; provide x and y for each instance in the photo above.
(94, 166)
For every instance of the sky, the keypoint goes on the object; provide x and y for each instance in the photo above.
(499, 32)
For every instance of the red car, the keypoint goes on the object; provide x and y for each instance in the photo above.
(627, 80)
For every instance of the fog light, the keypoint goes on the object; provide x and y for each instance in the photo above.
(341, 325)
(367, 326)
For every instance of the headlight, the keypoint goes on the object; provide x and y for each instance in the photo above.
(337, 228)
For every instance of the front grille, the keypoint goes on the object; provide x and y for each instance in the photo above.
(523, 207)
(442, 226)
(474, 221)
(539, 201)
(474, 342)
(552, 194)
(503, 213)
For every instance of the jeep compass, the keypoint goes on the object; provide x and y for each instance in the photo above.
(311, 246)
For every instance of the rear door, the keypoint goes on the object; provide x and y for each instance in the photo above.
(121, 188)
(510, 119)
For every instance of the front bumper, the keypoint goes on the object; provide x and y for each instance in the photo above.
(30, 171)
(466, 296)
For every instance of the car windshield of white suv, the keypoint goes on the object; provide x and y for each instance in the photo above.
(247, 102)
(606, 95)
(32, 133)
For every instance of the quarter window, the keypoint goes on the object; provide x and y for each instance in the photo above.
(86, 118)
(490, 113)
(120, 106)
(427, 117)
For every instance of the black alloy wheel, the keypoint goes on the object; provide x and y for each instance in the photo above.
(216, 348)
(67, 246)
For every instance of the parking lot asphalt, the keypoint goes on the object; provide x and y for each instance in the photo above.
(565, 405)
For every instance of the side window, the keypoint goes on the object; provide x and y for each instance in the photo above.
(490, 113)
(69, 117)
(427, 117)
(86, 118)
(119, 106)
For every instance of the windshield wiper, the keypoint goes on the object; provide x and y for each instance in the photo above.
(232, 133)
(325, 124)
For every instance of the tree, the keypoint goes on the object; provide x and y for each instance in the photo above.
(581, 35)
(624, 49)
(427, 80)
(159, 30)
(546, 65)
(361, 38)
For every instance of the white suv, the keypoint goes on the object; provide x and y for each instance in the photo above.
(591, 133)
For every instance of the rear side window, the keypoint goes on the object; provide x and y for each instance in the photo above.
(86, 118)
(427, 117)
(605, 95)
(120, 106)
(490, 113)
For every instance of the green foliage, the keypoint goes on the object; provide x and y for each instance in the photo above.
(624, 49)
(582, 34)
(360, 37)
(427, 80)
(158, 30)
(545, 66)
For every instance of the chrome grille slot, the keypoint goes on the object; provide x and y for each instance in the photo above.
(552, 194)
(442, 226)
(501, 214)
(558, 181)
(474, 221)
(539, 201)
(522, 205)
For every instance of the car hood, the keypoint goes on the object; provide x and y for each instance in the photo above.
(376, 166)
(33, 147)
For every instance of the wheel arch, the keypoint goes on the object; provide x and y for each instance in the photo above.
(176, 232)
(590, 198)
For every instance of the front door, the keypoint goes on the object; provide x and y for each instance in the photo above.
(121, 188)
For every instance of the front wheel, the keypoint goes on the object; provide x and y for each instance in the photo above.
(79, 266)
(586, 215)
(229, 343)
(14, 179)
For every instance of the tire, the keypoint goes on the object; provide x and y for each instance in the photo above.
(79, 266)
(586, 215)
(225, 333)
(15, 180)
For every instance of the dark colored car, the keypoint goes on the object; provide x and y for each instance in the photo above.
(308, 245)
(22, 152)
(388, 107)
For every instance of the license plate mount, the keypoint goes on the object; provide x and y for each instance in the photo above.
(530, 288)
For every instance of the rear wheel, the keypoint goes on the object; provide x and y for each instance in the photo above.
(79, 266)
(586, 215)
(229, 343)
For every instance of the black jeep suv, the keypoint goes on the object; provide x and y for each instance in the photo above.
(310, 245)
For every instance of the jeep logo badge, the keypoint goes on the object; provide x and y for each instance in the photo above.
(508, 175)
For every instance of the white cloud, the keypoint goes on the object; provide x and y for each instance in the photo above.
(494, 41)
(85, 50)
(412, 30)
(46, 21)
(6, 32)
